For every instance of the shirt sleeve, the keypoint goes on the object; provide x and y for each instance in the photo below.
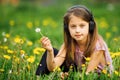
(101, 45)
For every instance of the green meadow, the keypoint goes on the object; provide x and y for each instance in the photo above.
(20, 48)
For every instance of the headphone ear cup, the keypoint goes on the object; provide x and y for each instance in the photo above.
(91, 26)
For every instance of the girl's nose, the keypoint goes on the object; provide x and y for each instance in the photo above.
(78, 29)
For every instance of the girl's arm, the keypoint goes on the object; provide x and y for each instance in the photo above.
(52, 61)
(96, 58)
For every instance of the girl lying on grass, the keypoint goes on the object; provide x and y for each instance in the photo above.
(81, 40)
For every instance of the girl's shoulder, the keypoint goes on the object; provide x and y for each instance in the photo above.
(100, 44)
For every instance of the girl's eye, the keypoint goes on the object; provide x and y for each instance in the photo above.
(73, 26)
(82, 26)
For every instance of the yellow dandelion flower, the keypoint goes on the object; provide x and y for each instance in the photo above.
(22, 52)
(108, 75)
(117, 54)
(38, 50)
(18, 40)
(108, 35)
(112, 56)
(87, 59)
(56, 69)
(71, 67)
(83, 65)
(108, 63)
(7, 35)
(6, 57)
(45, 22)
(111, 53)
(41, 49)
(104, 71)
(31, 59)
(96, 68)
(17, 60)
(1, 70)
(29, 25)
(109, 49)
(116, 72)
(5, 47)
(21, 41)
(10, 51)
(103, 23)
(115, 39)
(12, 22)
(29, 43)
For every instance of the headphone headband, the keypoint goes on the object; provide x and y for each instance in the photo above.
(83, 7)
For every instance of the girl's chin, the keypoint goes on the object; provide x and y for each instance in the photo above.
(78, 39)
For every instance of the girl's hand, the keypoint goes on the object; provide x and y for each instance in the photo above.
(46, 43)
(63, 75)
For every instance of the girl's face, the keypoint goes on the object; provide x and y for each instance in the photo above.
(78, 28)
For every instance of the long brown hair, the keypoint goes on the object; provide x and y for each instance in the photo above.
(70, 43)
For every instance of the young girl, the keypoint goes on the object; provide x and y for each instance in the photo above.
(81, 40)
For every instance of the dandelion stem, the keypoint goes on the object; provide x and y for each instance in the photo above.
(41, 34)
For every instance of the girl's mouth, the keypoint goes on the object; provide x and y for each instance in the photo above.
(77, 36)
